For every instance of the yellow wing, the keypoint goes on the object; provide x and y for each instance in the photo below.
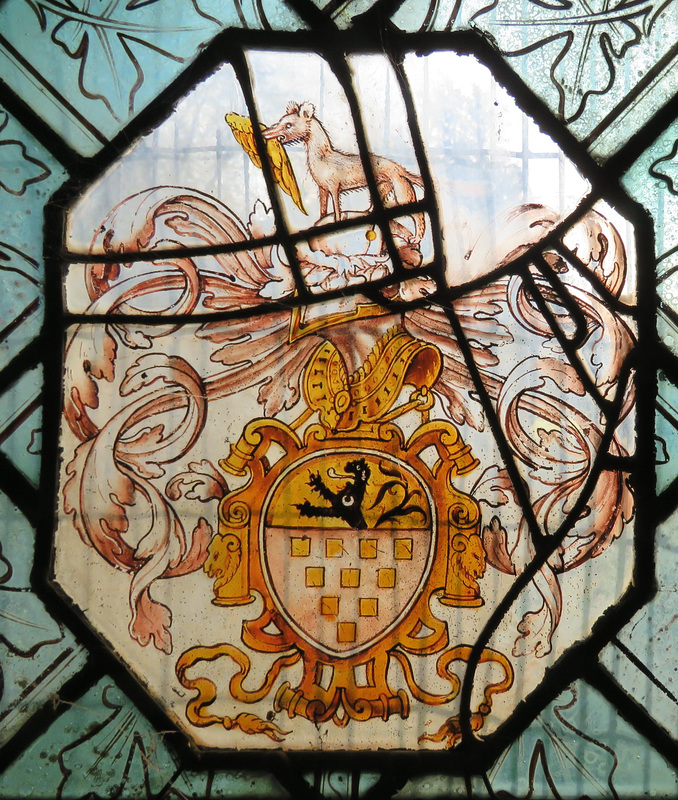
(241, 127)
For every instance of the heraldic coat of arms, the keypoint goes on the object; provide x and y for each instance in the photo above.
(295, 515)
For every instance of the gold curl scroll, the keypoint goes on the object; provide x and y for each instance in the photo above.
(281, 166)
(196, 709)
(421, 694)
(450, 731)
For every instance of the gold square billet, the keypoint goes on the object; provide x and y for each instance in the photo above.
(329, 606)
(368, 607)
(346, 631)
(350, 578)
(315, 576)
(300, 546)
(402, 549)
(386, 578)
(334, 548)
(368, 548)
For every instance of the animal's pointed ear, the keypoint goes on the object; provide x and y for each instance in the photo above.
(292, 107)
(307, 110)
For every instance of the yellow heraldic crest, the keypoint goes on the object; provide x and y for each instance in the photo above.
(352, 532)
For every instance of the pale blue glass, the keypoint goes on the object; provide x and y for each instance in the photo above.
(604, 72)
(105, 746)
(21, 424)
(586, 749)
(89, 68)
(28, 177)
(37, 654)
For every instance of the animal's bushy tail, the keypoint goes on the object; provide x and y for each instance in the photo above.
(403, 190)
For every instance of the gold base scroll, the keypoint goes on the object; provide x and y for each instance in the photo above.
(450, 731)
(355, 706)
(197, 710)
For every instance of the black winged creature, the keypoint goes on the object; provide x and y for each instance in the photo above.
(345, 504)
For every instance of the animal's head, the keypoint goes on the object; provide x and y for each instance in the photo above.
(295, 126)
(358, 468)
(467, 559)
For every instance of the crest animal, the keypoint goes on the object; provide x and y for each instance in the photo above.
(336, 172)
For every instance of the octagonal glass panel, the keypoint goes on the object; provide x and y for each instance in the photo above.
(348, 411)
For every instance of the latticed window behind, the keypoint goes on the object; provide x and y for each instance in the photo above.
(338, 420)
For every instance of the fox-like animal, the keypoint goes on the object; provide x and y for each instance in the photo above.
(335, 172)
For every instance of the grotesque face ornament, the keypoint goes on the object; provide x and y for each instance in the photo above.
(358, 481)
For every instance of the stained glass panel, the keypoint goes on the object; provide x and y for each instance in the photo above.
(379, 480)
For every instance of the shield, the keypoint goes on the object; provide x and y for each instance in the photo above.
(346, 539)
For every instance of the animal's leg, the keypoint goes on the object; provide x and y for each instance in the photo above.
(337, 205)
(306, 509)
(324, 197)
(318, 485)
